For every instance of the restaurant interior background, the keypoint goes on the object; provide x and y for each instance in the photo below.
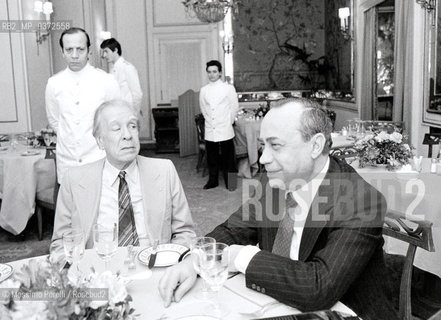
(278, 45)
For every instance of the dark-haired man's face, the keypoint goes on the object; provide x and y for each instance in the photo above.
(109, 55)
(213, 73)
(75, 51)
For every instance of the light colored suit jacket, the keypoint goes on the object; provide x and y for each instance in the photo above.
(167, 215)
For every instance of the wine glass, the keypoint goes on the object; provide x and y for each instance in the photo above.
(105, 240)
(73, 244)
(196, 249)
(214, 259)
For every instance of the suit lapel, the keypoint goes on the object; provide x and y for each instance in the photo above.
(88, 195)
(320, 211)
(153, 197)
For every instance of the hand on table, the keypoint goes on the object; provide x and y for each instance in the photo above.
(176, 281)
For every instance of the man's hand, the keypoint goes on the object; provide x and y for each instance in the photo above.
(176, 281)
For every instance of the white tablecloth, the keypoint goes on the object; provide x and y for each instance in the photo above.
(417, 197)
(21, 177)
(149, 305)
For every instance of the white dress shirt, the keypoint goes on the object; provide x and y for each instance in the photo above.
(71, 101)
(304, 197)
(219, 105)
(127, 77)
(108, 213)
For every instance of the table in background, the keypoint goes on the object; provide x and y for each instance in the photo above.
(21, 177)
(419, 196)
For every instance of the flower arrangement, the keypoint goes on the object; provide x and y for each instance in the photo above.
(261, 111)
(382, 148)
(40, 291)
(210, 11)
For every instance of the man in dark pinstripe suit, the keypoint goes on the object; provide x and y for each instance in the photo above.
(333, 250)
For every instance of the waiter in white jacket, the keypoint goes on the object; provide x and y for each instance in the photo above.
(124, 72)
(72, 96)
(219, 105)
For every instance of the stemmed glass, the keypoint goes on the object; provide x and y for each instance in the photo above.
(105, 240)
(196, 251)
(73, 244)
(214, 259)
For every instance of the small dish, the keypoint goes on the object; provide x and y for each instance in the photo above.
(30, 153)
(3, 148)
(167, 254)
(5, 271)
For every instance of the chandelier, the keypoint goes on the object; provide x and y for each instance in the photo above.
(210, 11)
(429, 5)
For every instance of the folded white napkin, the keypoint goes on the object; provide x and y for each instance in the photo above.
(237, 285)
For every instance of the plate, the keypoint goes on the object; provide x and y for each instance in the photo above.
(167, 254)
(197, 318)
(5, 271)
(30, 153)
(4, 148)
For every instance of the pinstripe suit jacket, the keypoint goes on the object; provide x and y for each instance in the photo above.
(340, 254)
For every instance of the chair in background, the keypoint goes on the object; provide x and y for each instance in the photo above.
(431, 139)
(200, 130)
(46, 199)
(416, 234)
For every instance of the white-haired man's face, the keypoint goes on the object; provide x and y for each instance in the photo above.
(119, 135)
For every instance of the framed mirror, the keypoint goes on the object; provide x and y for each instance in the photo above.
(432, 96)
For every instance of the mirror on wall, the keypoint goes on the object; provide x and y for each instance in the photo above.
(432, 84)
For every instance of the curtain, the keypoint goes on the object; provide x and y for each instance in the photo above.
(403, 58)
(368, 60)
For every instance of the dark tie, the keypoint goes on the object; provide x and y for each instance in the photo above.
(283, 240)
(127, 228)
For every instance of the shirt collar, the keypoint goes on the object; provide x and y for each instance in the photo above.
(308, 191)
(111, 173)
(119, 61)
(80, 73)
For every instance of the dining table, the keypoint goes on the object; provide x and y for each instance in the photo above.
(416, 195)
(24, 172)
(234, 298)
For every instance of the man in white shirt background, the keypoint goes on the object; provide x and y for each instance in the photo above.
(72, 96)
(124, 72)
(219, 105)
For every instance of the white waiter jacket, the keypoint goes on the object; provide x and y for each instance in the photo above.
(71, 101)
(127, 77)
(219, 105)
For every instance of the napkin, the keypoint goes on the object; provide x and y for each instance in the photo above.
(237, 285)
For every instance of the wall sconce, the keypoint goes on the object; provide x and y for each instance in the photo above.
(227, 41)
(43, 29)
(344, 14)
(429, 5)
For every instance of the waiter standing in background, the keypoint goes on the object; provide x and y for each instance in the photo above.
(125, 73)
(72, 96)
(219, 105)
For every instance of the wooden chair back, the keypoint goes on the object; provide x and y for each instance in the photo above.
(416, 234)
(200, 132)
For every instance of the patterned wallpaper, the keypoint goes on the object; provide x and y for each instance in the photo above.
(281, 45)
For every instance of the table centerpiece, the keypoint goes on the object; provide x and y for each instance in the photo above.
(39, 290)
(382, 148)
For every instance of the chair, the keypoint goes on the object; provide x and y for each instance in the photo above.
(420, 235)
(200, 127)
(430, 139)
(47, 198)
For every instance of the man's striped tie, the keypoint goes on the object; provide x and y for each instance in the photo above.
(127, 228)
(283, 240)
